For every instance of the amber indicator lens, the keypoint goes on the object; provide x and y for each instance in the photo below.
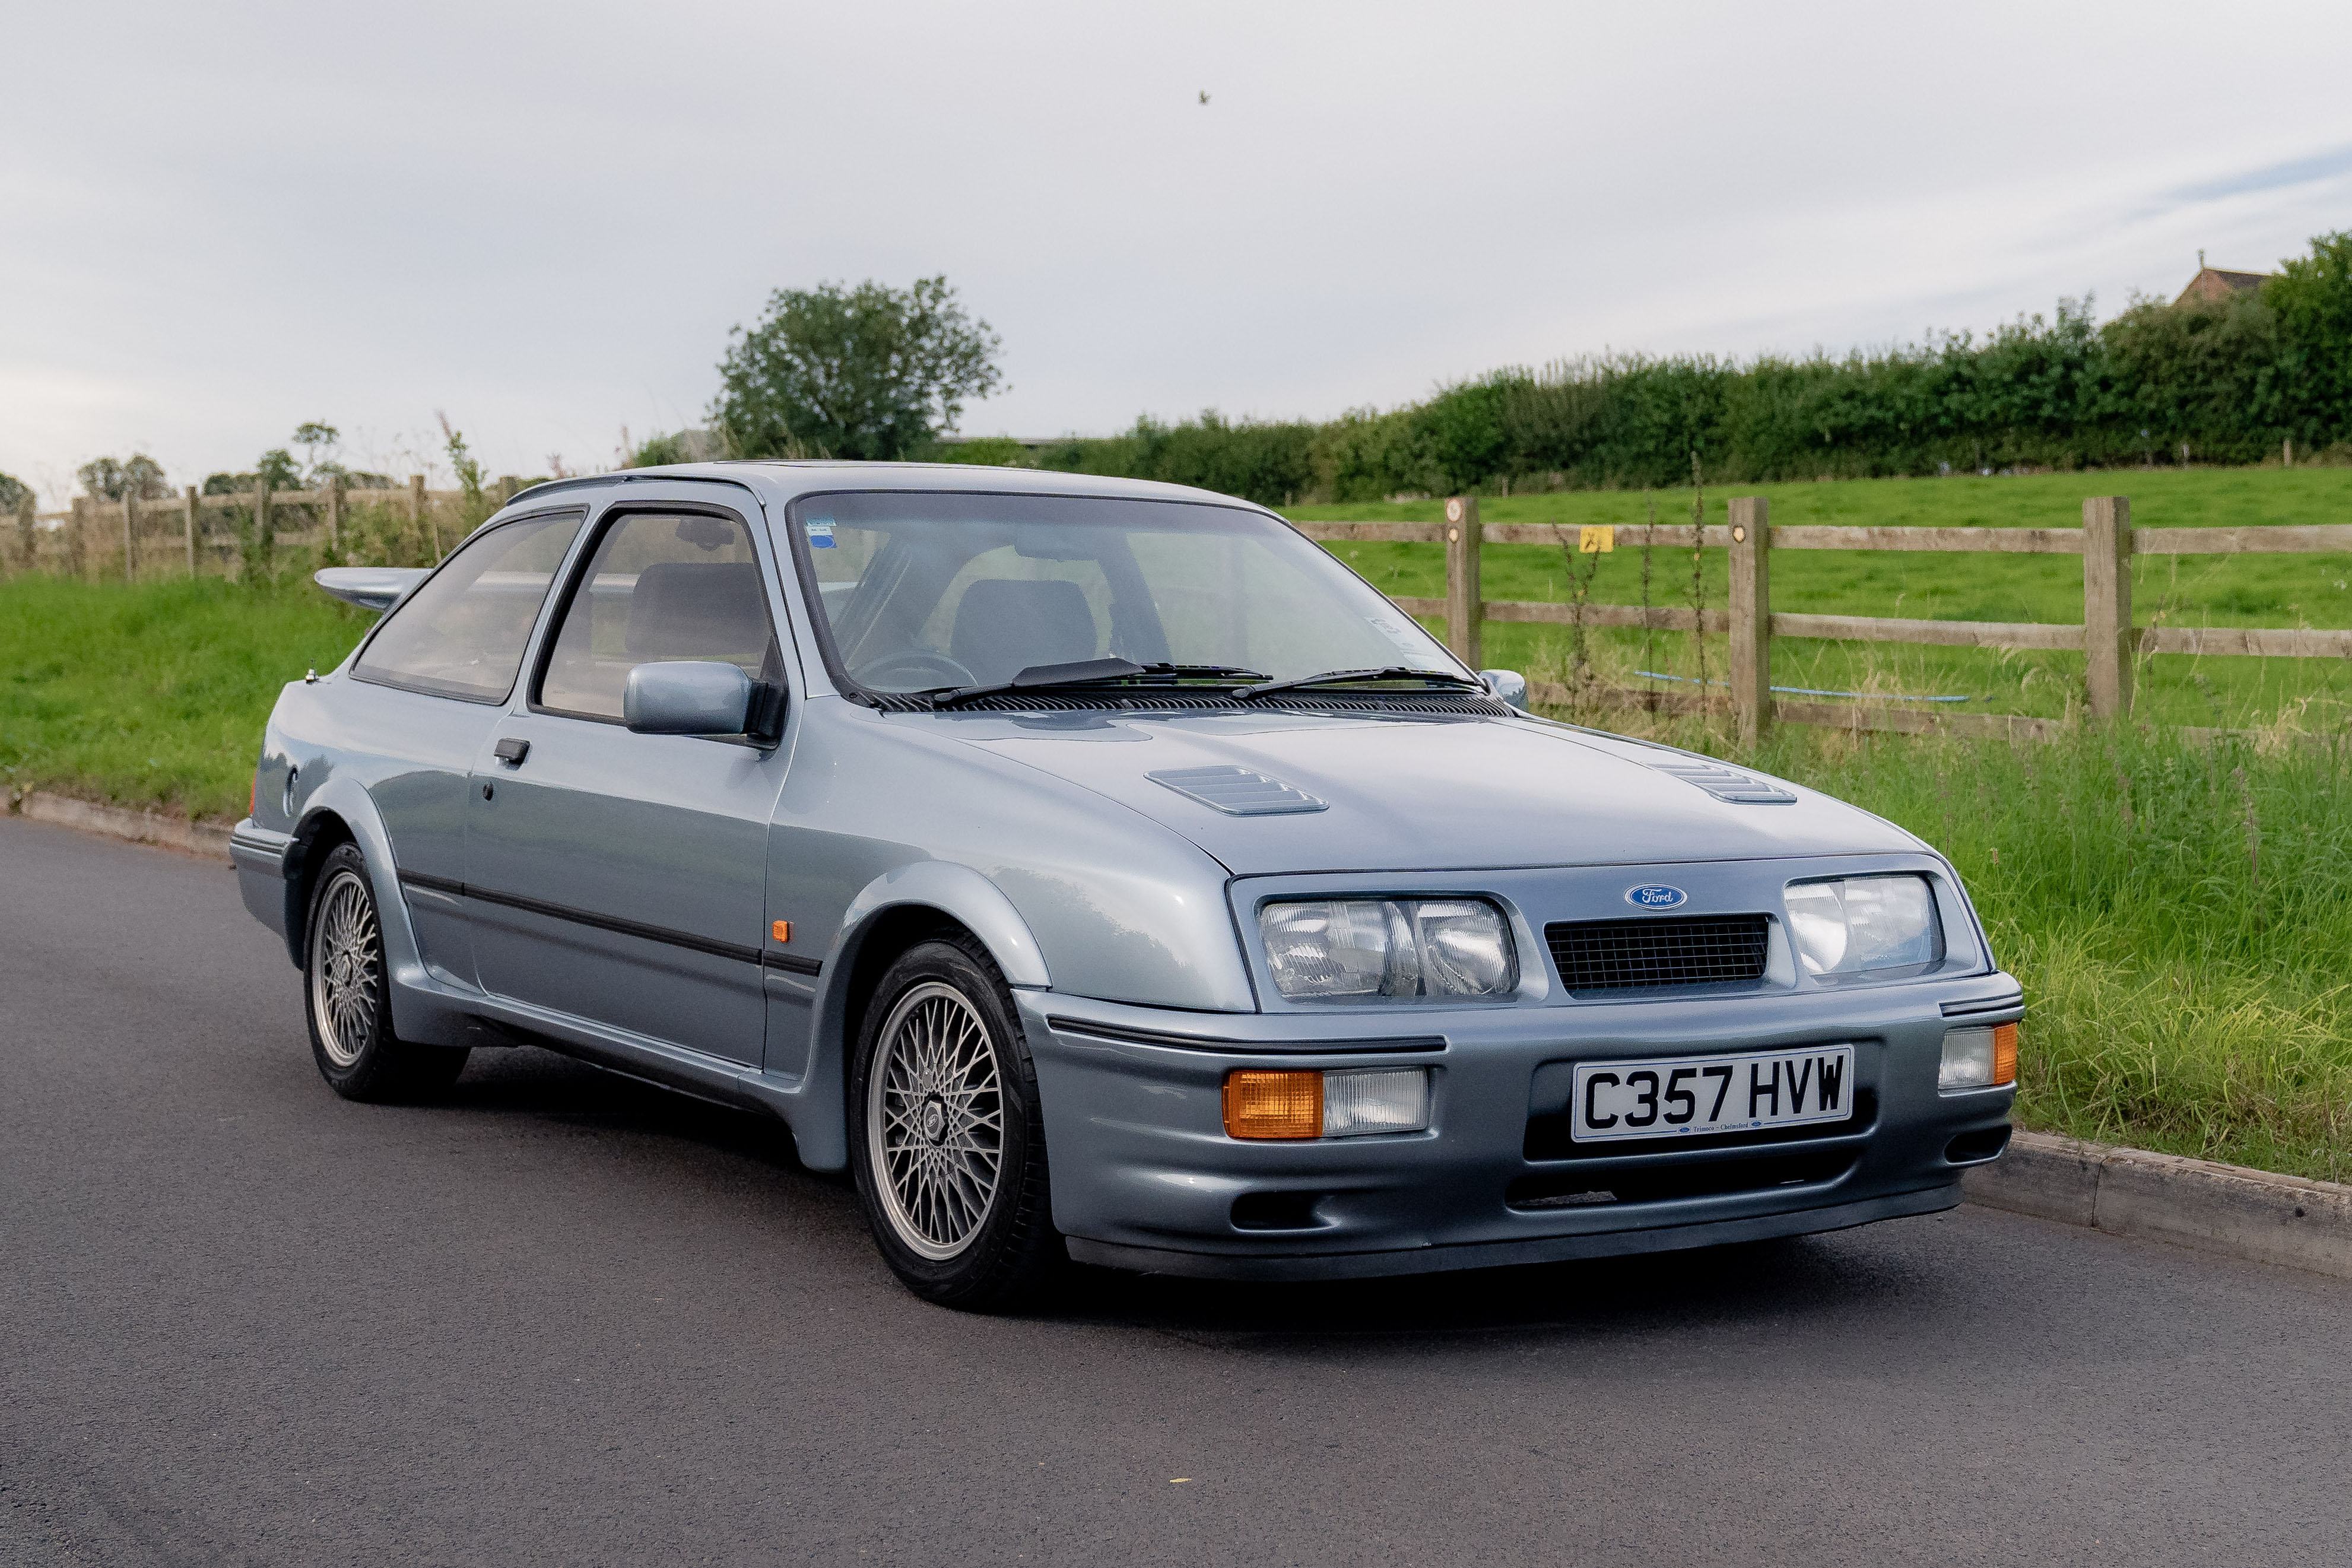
(1273, 1105)
(2004, 1053)
(1978, 1057)
(783, 930)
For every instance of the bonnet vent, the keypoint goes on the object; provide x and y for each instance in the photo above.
(1726, 783)
(1237, 792)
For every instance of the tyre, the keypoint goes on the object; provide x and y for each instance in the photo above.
(347, 995)
(946, 1139)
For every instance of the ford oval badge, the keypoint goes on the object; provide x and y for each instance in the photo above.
(1656, 896)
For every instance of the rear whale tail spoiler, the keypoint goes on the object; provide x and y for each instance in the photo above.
(370, 587)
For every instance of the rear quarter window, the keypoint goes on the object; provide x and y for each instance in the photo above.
(462, 634)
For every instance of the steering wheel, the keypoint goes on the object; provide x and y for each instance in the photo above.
(893, 669)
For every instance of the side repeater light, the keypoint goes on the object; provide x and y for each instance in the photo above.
(1295, 1104)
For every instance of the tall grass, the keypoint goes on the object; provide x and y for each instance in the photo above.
(154, 695)
(2180, 916)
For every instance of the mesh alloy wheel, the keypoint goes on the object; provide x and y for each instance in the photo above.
(935, 1120)
(347, 991)
(348, 978)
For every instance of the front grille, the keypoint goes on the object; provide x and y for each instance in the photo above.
(1640, 954)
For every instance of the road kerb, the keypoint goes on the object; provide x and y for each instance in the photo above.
(2226, 1209)
(208, 840)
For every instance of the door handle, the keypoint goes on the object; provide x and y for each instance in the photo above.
(512, 750)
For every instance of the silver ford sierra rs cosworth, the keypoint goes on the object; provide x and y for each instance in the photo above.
(1099, 871)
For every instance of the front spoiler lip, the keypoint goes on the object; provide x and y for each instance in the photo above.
(1433, 1260)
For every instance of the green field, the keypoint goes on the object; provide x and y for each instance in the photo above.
(2182, 590)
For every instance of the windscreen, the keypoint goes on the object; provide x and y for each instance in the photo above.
(924, 591)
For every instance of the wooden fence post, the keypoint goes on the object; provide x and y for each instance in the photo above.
(1465, 601)
(335, 511)
(1751, 618)
(29, 532)
(416, 513)
(78, 538)
(129, 549)
(188, 526)
(264, 545)
(2109, 640)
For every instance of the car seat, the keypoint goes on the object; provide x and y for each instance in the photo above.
(1004, 625)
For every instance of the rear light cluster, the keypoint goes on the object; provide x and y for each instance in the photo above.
(1983, 1057)
(1294, 1104)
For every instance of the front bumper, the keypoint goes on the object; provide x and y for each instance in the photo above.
(1144, 1177)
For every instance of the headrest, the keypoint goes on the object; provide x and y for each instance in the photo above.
(1005, 625)
(689, 609)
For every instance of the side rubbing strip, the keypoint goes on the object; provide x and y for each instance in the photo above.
(686, 940)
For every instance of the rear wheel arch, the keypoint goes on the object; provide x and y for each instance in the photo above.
(315, 837)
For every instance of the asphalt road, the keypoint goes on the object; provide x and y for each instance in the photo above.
(563, 1317)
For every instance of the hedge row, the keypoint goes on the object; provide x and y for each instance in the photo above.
(2224, 383)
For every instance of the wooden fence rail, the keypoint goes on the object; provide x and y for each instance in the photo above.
(177, 535)
(2106, 542)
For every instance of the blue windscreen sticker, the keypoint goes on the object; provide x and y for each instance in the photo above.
(820, 534)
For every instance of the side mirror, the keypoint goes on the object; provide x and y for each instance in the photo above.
(1508, 684)
(688, 697)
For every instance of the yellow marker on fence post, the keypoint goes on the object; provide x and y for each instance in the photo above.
(1464, 602)
(1599, 540)
(1751, 618)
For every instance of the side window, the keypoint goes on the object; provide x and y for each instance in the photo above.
(659, 587)
(462, 634)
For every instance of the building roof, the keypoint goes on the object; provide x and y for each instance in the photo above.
(2212, 283)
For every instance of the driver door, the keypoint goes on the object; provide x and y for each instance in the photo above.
(618, 877)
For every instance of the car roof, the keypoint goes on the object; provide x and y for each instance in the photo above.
(780, 481)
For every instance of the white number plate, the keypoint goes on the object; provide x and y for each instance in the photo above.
(1690, 1097)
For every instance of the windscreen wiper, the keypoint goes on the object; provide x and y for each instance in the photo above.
(1347, 677)
(1090, 672)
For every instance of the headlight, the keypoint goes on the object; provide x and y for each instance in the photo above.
(1852, 925)
(1358, 948)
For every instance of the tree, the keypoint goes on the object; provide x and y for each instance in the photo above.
(109, 478)
(869, 372)
(311, 435)
(2312, 297)
(14, 493)
(278, 470)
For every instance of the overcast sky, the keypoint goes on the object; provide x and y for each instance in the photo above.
(217, 221)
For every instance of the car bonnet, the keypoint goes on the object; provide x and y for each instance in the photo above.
(1355, 793)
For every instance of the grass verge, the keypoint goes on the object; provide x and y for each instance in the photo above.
(154, 695)
(2179, 917)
